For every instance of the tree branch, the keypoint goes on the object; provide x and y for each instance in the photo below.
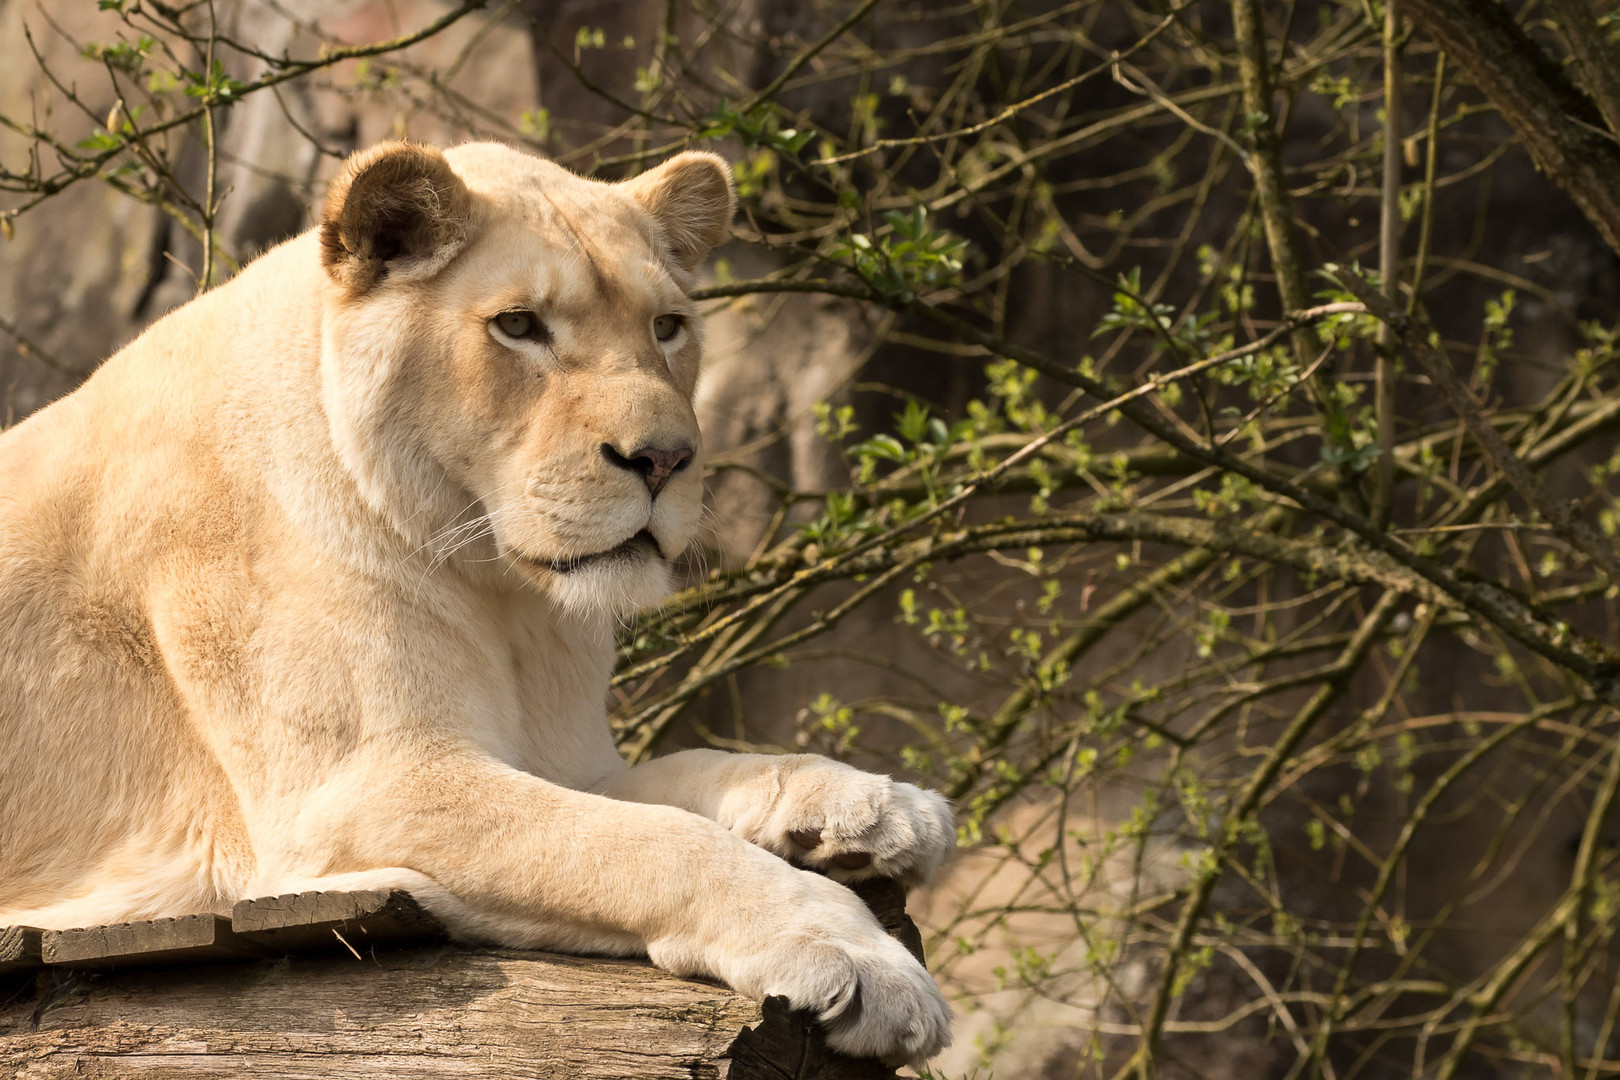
(1415, 337)
(1561, 127)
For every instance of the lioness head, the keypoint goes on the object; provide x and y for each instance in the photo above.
(509, 359)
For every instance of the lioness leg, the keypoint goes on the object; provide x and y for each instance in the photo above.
(806, 807)
(516, 860)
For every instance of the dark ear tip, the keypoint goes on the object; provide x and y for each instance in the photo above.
(332, 249)
(383, 165)
(391, 199)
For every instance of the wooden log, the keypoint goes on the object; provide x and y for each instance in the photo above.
(887, 900)
(430, 1013)
(413, 1010)
(786, 1045)
(189, 939)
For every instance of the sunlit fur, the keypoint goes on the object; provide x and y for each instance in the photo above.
(285, 603)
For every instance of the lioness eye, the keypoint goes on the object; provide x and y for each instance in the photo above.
(519, 324)
(666, 326)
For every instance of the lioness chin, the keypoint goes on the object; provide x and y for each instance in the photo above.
(314, 585)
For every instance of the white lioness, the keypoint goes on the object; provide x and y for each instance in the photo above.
(314, 586)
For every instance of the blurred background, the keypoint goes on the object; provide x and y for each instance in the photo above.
(1182, 431)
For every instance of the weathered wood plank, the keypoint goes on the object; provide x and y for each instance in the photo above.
(19, 948)
(312, 921)
(431, 1013)
(434, 1010)
(190, 939)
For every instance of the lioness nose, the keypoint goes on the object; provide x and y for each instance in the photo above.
(655, 465)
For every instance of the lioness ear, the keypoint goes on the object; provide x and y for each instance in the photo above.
(689, 197)
(395, 208)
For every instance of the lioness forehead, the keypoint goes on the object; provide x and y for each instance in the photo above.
(535, 187)
(597, 228)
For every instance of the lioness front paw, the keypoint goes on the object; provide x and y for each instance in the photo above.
(847, 823)
(871, 995)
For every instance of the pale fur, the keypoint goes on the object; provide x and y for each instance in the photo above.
(270, 622)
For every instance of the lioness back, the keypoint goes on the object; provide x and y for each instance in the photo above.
(108, 497)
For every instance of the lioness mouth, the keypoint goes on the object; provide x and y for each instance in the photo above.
(643, 540)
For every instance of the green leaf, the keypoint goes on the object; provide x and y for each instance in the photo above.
(912, 424)
(100, 141)
(880, 446)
